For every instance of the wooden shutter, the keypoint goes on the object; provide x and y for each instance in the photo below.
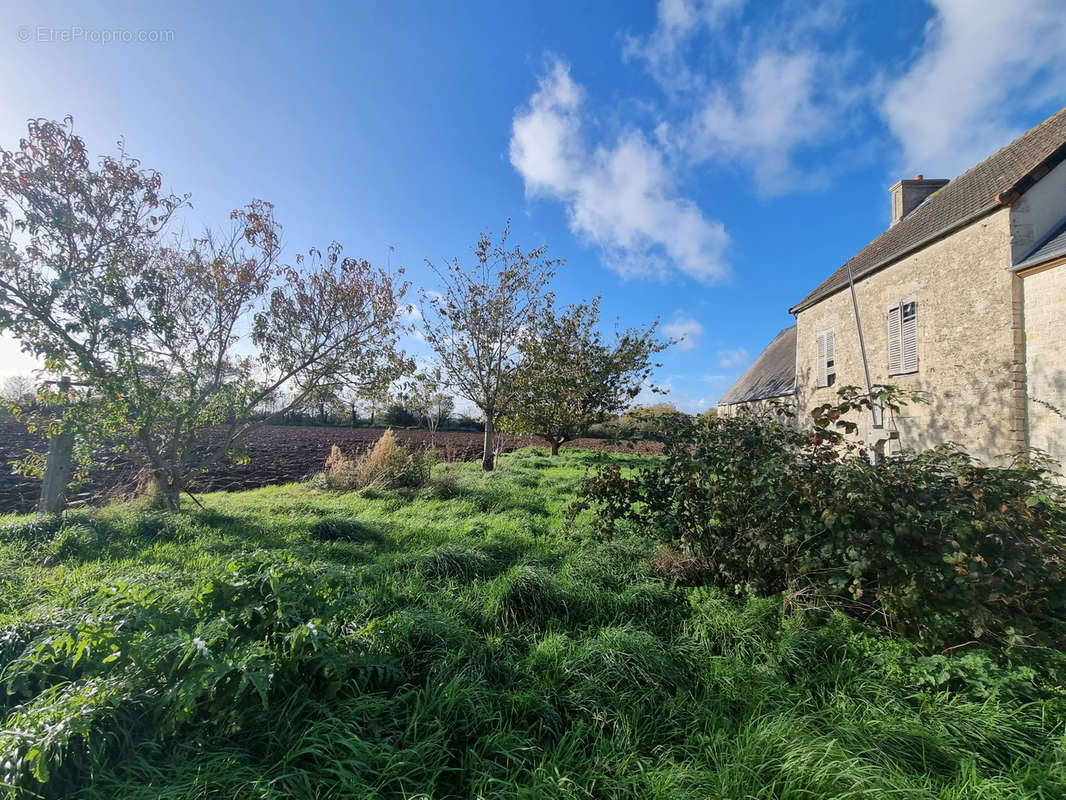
(895, 341)
(909, 336)
(830, 354)
(822, 377)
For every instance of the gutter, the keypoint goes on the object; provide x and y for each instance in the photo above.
(1025, 272)
(876, 409)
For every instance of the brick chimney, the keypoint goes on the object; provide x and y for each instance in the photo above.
(908, 195)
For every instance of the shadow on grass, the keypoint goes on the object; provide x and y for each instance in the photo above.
(346, 529)
(500, 498)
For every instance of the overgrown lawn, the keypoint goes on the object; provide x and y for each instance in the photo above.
(464, 640)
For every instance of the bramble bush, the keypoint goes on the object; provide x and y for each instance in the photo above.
(932, 545)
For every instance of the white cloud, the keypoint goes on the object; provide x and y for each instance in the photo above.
(771, 112)
(685, 329)
(790, 95)
(733, 359)
(750, 94)
(677, 21)
(718, 385)
(980, 60)
(620, 196)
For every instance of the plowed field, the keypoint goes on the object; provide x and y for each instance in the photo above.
(276, 454)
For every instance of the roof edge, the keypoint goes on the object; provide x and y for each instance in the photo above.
(1033, 176)
(767, 378)
(790, 393)
(803, 305)
(1043, 266)
(1032, 257)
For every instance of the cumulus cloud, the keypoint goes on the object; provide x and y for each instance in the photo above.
(980, 59)
(677, 21)
(621, 196)
(770, 113)
(791, 95)
(704, 395)
(685, 329)
(733, 359)
(753, 95)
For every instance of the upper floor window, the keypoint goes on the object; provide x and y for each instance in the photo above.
(827, 370)
(903, 337)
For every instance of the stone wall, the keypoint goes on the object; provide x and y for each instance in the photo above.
(969, 363)
(1045, 352)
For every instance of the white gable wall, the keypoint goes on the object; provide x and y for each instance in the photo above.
(1037, 212)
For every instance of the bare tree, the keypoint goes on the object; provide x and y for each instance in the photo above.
(18, 389)
(427, 396)
(476, 326)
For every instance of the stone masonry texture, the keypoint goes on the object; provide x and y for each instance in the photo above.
(969, 362)
(1045, 335)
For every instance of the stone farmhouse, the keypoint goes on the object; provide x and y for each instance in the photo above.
(962, 299)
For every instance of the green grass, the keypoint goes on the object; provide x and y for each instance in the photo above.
(465, 641)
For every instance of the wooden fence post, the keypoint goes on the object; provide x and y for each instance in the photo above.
(59, 467)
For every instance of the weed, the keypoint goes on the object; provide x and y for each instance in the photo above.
(387, 465)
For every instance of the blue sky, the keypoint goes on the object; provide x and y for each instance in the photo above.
(707, 163)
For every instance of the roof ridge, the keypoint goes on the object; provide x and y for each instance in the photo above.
(998, 180)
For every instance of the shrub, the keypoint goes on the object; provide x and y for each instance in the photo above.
(645, 423)
(387, 465)
(932, 545)
(444, 486)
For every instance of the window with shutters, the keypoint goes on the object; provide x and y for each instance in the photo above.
(827, 371)
(903, 337)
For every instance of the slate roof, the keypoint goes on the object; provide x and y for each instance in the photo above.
(1053, 246)
(773, 374)
(997, 181)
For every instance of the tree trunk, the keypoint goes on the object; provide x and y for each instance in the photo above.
(554, 446)
(58, 471)
(166, 491)
(488, 459)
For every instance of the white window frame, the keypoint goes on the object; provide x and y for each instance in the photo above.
(903, 337)
(826, 366)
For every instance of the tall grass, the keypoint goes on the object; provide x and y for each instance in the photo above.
(463, 640)
(388, 464)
